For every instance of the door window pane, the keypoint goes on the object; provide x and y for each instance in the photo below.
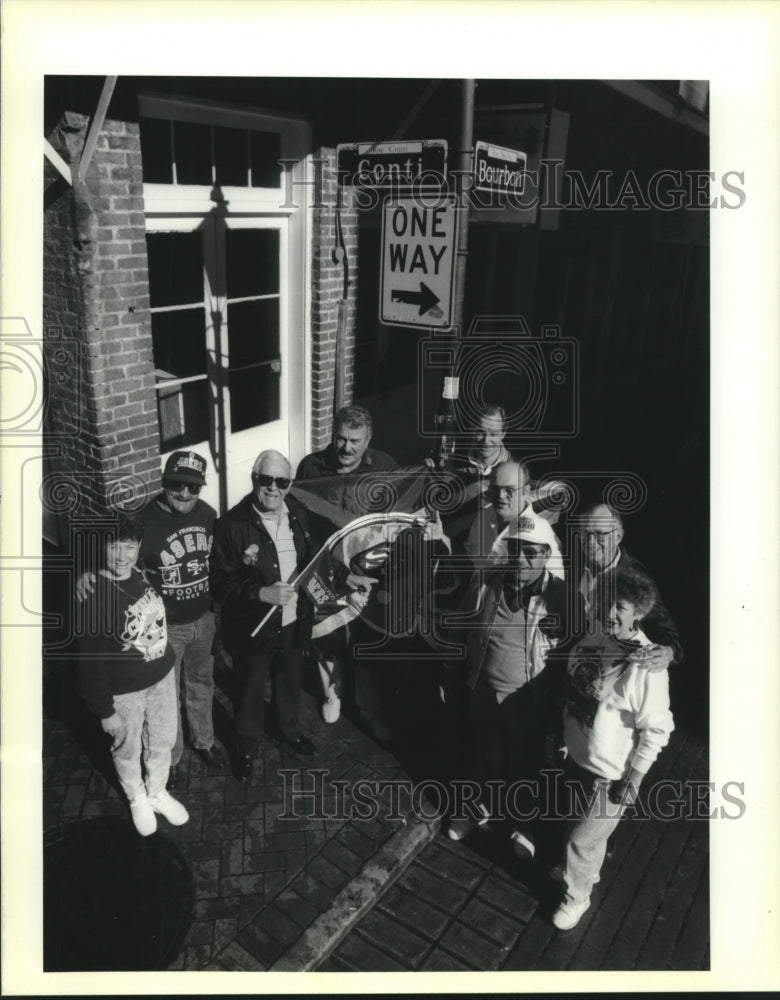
(183, 413)
(209, 154)
(156, 150)
(179, 342)
(175, 268)
(253, 332)
(265, 148)
(231, 156)
(252, 262)
(253, 345)
(192, 151)
(254, 397)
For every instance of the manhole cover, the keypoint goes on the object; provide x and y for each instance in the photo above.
(112, 900)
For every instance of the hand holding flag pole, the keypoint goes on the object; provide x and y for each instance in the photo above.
(370, 534)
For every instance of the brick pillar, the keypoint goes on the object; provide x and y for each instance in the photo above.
(327, 288)
(96, 290)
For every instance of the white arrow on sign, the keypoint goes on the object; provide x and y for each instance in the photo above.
(418, 262)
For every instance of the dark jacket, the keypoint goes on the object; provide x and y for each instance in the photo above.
(325, 463)
(235, 576)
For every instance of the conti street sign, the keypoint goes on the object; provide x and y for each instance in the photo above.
(386, 164)
(497, 169)
(418, 262)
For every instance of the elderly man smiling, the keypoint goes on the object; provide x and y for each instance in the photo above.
(350, 449)
(259, 546)
(601, 532)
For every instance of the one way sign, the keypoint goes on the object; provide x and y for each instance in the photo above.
(418, 262)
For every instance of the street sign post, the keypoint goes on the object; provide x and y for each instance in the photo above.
(418, 262)
(392, 164)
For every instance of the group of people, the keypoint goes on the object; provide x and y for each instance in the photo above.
(564, 636)
(574, 633)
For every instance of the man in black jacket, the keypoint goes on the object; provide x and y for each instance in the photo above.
(259, 546)
(348, 452)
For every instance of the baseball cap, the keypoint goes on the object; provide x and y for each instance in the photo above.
(532, 528)
(187, 466)
(529, 527)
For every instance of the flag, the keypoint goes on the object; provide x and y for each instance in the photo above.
(363, 547)
(359, 516)
(336, 500)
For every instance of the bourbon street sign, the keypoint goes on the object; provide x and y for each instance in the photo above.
(497, 169)
(386, 164)
(418, 262)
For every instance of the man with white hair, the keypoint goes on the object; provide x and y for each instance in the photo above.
(259, 546)
(600, 530)
(516, 615)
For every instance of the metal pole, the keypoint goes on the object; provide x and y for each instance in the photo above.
(464, 164)
(445, 418)
(340, 256)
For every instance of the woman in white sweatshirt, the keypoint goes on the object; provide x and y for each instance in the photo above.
(616, 721)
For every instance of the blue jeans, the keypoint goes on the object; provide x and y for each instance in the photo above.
(149, 717)
(586, 839)
(192, 643)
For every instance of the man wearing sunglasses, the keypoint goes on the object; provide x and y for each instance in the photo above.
(178, 534)
(516, 613)
(260, 545)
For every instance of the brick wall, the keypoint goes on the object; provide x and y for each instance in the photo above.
(327, 288)
(96, 291)
(96, 295)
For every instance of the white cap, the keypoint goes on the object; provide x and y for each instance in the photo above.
(530, 527)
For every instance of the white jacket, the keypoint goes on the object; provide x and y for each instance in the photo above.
(617, 713)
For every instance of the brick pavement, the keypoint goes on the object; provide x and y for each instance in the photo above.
(269, 888)
(385, 894)
(473, 906)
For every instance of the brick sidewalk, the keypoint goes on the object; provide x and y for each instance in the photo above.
(269, 890)
(332, 892)
(473, 906)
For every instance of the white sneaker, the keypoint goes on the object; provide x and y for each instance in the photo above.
(524, 848)
(143, 816)
(460, 828)
(568, 914)
(167, 806)
(331, 709)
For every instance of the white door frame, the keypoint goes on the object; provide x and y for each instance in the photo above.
(182, 208)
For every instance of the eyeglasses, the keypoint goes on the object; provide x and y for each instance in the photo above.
(178, 487)
(600, 536)
(268, 481)
(509, 490)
